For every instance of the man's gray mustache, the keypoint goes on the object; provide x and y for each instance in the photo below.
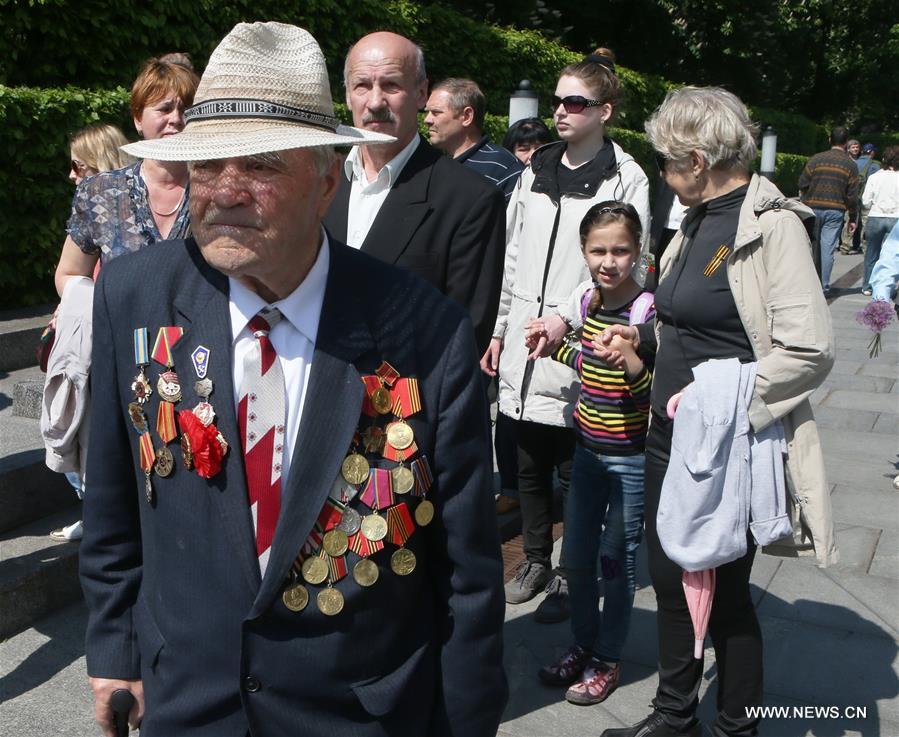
(381, 116)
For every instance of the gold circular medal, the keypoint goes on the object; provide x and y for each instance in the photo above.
(330, 601)
(365, 572)
(424, 513)
(335, 542)
(374, 527)
(399, 435)
(295, 597)
(402, 480)
(315, 570)
(402, 562)
(354, 469)
(350, 522)
(164, 462)
(380, 400)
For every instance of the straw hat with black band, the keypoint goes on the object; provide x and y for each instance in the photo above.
(265, 89)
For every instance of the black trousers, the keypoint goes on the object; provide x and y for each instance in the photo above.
(542, 449)
(733, 626)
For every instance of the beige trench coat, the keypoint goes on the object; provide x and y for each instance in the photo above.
(785, 315)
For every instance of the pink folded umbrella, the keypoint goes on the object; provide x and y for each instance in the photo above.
(699, 588)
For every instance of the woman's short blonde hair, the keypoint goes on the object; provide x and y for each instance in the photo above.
(709, 120)
(98, 147)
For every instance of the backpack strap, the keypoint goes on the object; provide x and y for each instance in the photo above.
(585, 301)
(641, 307)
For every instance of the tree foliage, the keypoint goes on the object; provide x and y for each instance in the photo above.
(830, 60)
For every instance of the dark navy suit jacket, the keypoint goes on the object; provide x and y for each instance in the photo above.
(443, 223)
(173, 587)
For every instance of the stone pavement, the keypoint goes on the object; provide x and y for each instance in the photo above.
(830, 635)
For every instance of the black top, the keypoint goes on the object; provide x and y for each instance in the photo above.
(565, 176)
(694, 302)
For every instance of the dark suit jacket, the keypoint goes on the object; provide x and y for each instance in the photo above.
(443, 223)
(173, 587)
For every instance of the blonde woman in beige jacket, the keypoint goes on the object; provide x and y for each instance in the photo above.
(737, 281)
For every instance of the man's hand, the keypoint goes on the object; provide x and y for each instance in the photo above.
(490, 359)
(103, 689)
(852, 226)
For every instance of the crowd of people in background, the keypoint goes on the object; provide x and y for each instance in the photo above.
(597, 322)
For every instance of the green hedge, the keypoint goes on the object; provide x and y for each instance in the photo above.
(795, 133)
(34, 127)
(34, 163)
(53, 43)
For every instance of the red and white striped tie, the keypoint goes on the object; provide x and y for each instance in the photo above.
(261, 417)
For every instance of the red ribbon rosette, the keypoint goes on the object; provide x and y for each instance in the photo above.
(206, 443)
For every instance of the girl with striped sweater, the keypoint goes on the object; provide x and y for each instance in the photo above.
(604, 510)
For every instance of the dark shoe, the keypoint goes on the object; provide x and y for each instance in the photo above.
(566, 669)
(505, 504)
(653, 726)
(554, 607)
(530, 578)
(867, 291)
(596, 684)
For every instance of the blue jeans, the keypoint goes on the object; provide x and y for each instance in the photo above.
(603, 525)
(828, 224)
(876, 231)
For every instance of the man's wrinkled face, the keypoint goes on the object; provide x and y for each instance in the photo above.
(257, 217)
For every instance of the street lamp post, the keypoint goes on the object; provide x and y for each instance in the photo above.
(769, 153)
(523, 103)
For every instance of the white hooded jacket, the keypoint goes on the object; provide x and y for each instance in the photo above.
(543, 224)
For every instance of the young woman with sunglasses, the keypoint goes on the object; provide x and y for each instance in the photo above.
(564, 180)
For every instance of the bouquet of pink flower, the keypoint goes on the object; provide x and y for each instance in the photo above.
(876, 316)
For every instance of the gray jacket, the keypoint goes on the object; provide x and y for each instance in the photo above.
(66, 401)
(722, 479)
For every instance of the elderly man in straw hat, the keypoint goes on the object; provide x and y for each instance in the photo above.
(287, 532)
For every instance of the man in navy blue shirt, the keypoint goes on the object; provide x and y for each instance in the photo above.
(455, 121)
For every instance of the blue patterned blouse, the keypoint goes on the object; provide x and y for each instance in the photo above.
(111, 214)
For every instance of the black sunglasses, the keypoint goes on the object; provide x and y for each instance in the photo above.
(78, 166)
(574, 103)
(662, 161)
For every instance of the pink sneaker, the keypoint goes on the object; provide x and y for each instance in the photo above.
(596, 684)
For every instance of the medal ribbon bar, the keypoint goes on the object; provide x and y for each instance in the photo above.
(165, 341)
(399, 524)
(378, 492)
(140, 347)
(364, 547)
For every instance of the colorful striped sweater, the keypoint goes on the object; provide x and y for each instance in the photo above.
(612, 412)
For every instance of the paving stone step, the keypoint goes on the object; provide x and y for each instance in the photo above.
(27, 398)
(20, 331)
(37, 574)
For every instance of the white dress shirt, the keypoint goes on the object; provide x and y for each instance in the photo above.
(293, 339)
(367, 197)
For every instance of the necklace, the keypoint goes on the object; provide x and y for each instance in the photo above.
(166, 214)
